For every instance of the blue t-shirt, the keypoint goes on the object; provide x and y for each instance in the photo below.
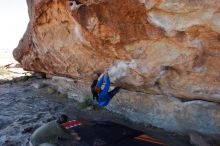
(104, 97)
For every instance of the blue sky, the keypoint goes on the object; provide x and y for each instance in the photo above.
(13, 23)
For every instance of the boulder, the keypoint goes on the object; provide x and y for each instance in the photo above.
(159, 47)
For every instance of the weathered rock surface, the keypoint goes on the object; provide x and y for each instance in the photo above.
(158, 110)
(167, 48)
(172, 46)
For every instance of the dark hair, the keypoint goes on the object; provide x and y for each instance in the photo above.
(62, 119)
(98, 74)
(93, 87)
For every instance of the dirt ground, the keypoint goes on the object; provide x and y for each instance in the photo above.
(6, 58)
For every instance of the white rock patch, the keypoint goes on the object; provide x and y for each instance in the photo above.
(121, 69)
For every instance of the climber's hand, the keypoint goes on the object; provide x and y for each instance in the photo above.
(106, 70)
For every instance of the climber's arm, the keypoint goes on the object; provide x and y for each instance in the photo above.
(107, 83)
(100, 81)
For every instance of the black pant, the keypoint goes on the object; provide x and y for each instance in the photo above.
(113, 92)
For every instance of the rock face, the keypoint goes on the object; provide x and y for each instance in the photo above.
(162, 111)
(167, 48)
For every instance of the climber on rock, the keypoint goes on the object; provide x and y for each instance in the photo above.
(75, 4)
(50, 133)
(102, 96)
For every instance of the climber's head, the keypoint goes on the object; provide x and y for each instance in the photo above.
(62, 119)
(96, 75)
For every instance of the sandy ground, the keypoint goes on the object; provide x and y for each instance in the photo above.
(6, 58)
(8, 69)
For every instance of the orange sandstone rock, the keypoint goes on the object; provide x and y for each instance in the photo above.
(169, 47)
